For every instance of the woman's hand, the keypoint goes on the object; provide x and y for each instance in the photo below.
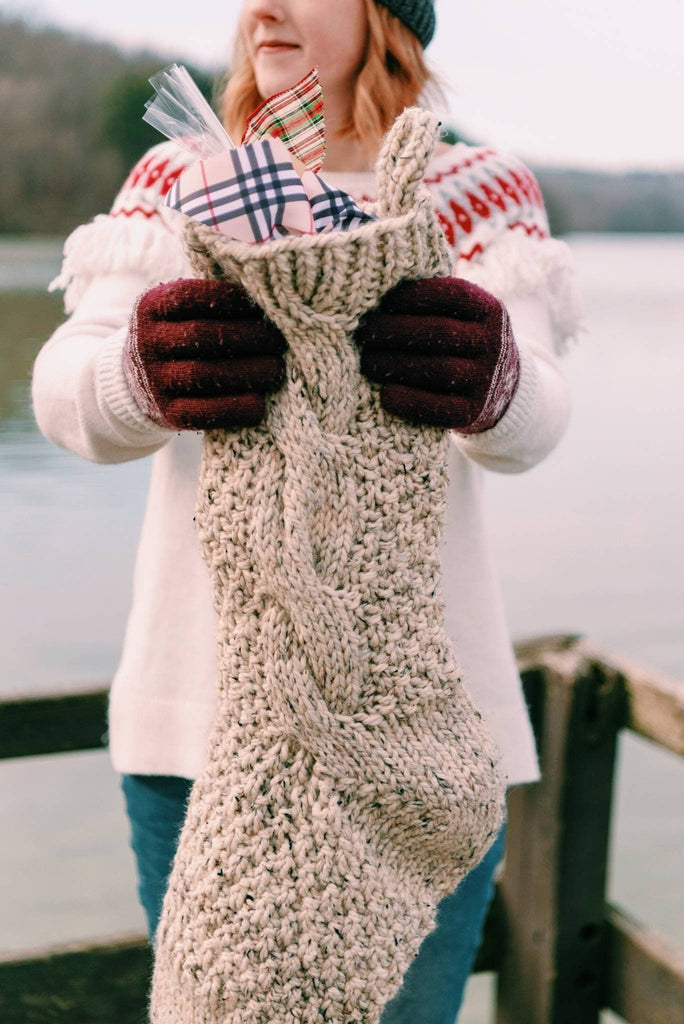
(443, 352)
(199, 355)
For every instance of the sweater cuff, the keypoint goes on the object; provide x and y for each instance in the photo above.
(116, 401)
(519, 417)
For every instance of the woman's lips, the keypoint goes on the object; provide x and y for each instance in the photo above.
(277, 47)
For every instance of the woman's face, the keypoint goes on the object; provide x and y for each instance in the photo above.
(285, 38)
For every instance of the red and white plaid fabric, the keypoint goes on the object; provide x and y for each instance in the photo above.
(295, 116)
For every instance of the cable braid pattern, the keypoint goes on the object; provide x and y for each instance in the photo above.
(350, 782)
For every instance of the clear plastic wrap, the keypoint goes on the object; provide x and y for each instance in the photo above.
(180, 112)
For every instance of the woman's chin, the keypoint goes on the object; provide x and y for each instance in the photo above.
(285, 71)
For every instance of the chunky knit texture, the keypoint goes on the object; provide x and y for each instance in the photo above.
(419, 15)
(350, 781)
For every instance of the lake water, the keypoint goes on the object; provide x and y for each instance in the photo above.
(588, 542)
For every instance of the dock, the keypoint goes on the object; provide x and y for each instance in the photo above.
(560, 951)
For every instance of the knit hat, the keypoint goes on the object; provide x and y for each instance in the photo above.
(419, 15)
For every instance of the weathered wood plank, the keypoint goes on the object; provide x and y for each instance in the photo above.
(654, 705)
(53, 723)
(530, 651)
(67, 977)
(559, 957)
(645, 976)
(527, 889)
(553, 886)
(68, 721)
(82, 983)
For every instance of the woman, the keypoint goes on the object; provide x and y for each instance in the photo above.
(140, 370)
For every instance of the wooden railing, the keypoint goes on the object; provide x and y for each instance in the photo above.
(560, 951)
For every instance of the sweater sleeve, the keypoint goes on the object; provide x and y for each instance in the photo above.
(493, 215)
(539, 412)
(81, 400)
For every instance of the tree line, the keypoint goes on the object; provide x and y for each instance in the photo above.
(70, 124)
(71, 127)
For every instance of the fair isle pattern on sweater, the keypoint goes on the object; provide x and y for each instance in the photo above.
(480, 194)
(149, 181)
(483, 194)
(488, 204)
(350, 782)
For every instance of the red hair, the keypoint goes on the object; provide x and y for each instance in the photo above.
(391, 77)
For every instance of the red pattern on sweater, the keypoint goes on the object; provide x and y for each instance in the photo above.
(481, 197)
(136, 209)
(149, 181)
(477, 156)
(478, 197)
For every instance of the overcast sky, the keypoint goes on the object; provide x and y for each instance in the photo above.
(596, 83)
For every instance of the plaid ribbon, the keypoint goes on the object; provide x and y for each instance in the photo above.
(295, 116)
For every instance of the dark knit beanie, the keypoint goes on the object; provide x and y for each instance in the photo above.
(419, 15)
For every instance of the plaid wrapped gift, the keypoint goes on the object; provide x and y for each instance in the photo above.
(295, 116)
(252, 193)
(332, 209)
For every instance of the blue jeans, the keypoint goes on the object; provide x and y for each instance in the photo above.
(433, 986)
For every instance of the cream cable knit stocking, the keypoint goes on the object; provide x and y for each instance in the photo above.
(350, 783)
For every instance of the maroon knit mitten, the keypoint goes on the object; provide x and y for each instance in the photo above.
(200, 355)
(444, 354)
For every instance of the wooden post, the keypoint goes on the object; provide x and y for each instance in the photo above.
(552, 970)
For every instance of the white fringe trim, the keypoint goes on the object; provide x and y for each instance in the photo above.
(517, 265)
(110, 245)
